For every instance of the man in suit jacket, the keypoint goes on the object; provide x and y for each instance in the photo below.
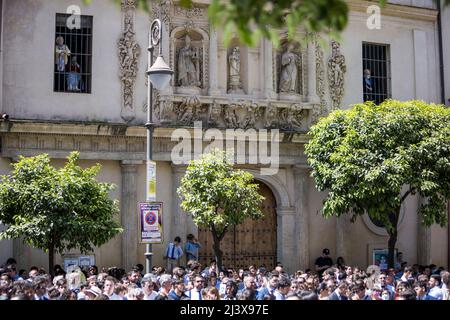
(421, 291)
(340, 292)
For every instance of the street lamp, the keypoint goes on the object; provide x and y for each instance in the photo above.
(159, 75)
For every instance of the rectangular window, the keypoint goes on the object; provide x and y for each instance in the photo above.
(376, 72)
(73, 54)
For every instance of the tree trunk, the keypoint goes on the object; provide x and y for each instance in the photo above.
(216, 247)
(51, 259)
(393, 233)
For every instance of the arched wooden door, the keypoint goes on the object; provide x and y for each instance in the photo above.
(253, 242)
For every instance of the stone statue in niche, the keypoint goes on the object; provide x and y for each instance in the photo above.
(62, 53)
(188, 65)
(289, 71)
(234, 82)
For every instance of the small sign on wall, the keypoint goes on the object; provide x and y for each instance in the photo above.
(70, 261)
(150, 221)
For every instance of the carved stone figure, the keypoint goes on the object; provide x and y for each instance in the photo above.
(291, 118)
(62, 53)
(289, 71)
(234, 82)
(252, 112)
(215, 112)
(271, 116)
(322, 109)
(336, 73)
(230, 118)
(188, 65)
(129, 52)
(188, 110)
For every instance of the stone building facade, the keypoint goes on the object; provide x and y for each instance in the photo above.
(221, 87)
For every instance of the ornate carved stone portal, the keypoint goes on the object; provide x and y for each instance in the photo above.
(129, 52)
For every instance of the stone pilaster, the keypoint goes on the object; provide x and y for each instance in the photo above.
(301, 179)
(421, 64)
(268, 68)
(286, 240)
(179, 217)
(342, 225)
(129, 215)
(213, 65)
(312, 74)
(423, 240)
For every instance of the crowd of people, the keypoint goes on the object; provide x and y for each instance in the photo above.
(327, 281)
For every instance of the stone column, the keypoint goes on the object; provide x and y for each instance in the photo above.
(423, 240)
(179, 217)
(341, 238)
(301, 179)
(286, 239)
(312, 90)
(213, 74)
(129, 214)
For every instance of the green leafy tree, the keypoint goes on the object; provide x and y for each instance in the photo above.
(371, 158)
(57, 210)
(252, 19)
(218, 197)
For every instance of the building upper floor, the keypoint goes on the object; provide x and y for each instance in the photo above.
(91, 67)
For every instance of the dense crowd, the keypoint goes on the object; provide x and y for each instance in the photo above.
(195, 282)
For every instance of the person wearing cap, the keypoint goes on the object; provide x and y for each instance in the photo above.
(323, 262)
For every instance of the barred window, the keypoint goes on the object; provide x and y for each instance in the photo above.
(73, 55)
(376, 72)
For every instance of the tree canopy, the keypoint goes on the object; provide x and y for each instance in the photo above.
(57, 210)
(218, 196)
(371, 158)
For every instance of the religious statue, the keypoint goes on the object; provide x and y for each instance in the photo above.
(230, 117)
(234, 60)
(62, 54)
(289, 70)
(188, 65)
(336, 72)
(74, 77)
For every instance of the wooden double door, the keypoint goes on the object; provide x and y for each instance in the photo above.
(252, 242)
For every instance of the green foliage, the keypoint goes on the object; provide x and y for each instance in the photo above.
(63, 209)
(370, 158)
(216, 195)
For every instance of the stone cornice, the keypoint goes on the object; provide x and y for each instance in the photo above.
(395, 10)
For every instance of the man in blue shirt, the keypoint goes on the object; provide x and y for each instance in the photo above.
(191, 248)
(173, 254)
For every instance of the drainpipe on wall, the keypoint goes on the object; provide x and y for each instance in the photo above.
(441, 52)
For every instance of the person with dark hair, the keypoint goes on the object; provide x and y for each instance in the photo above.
(173, 254)
(247, 294)
(284, 285)
(323, 262)
(231, 290)
(178, 291)
(308, 295)
(271, 286)
(407, 294)
(191, 248)
(339, 293)
(93, 271)
(435, 287)
(421, 291)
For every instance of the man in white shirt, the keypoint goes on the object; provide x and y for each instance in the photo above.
(196, 292)
(435, 287)
(147, 286)
(108, 288)
(284, 286)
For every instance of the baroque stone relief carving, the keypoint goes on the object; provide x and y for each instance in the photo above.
(129, 52)
(215, 113)
(291, 118)
(194, 12)
(322, 109)
(336, 74)
(188, 110)
(161, 10)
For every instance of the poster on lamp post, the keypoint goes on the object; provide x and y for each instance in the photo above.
(151, 180)
(150, 220)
